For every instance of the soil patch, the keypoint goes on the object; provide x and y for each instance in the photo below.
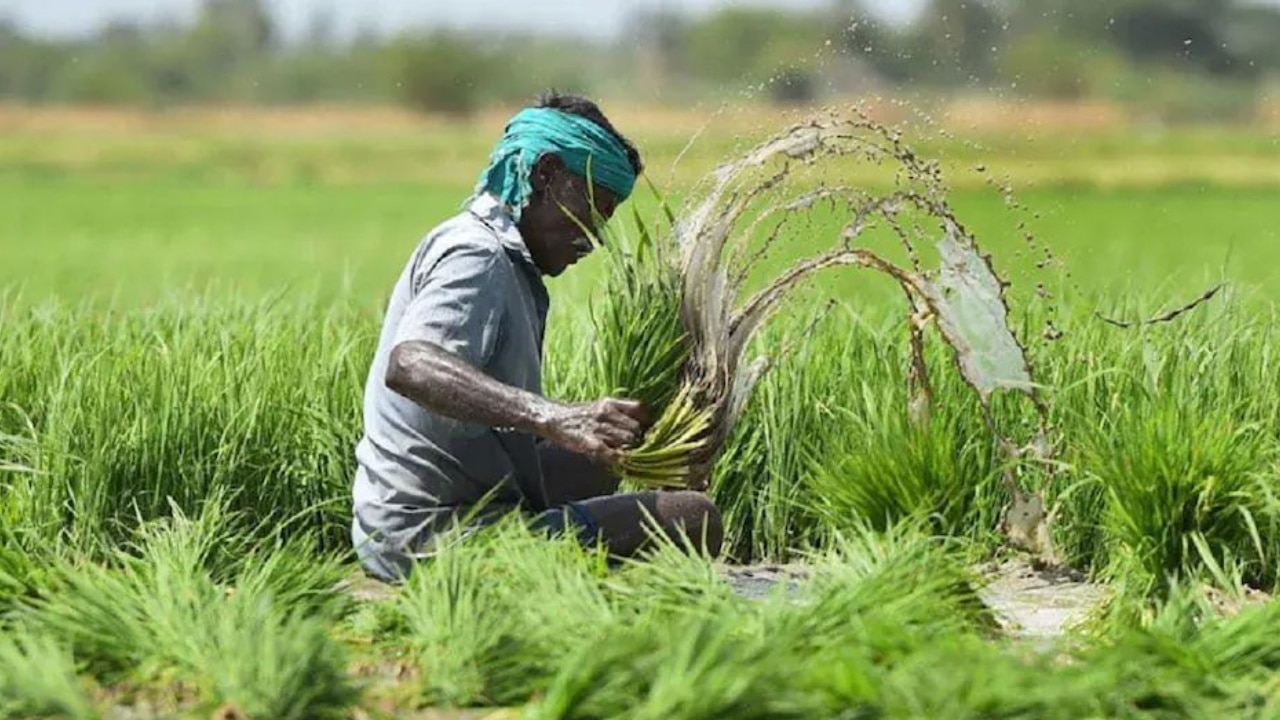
(1038, 603)
(755, 582)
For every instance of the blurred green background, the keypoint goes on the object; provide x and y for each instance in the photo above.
(258, 147)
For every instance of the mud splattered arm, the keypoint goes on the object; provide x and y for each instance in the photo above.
(445, 383)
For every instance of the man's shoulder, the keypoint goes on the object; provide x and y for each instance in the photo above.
(464, 232)
(461, 244)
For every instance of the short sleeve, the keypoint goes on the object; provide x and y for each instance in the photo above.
(458, 304)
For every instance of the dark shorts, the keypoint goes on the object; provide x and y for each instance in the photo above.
(572, 517)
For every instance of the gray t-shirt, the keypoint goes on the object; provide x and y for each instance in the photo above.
(472, 288)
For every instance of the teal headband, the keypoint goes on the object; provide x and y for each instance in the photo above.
(583, 146)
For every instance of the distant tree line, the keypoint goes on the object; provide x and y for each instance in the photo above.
(1185, 59)
(1189, 58)
(232, 52)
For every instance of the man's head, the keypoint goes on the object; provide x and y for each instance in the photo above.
(551, 198)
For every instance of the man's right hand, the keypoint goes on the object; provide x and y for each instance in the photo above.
(601, 430)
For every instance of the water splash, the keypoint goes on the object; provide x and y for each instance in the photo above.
(747, 207)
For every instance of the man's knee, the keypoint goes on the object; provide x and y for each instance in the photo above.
(376, 560)
(694, 515)
(624, 520)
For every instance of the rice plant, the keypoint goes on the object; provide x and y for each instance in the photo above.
(761, 481)
(507, 619)
(875, 601)
(487, 619)
(38, 679)
(123, 414)
(888, 469)
(1169, 440)
(248, 631)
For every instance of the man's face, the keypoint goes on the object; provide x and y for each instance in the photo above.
(553, 223)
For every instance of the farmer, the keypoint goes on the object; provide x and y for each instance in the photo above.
(456, 428)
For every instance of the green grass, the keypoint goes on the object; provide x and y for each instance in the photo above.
(139, 241)
(193, 606)
(182, 356)
(196, 402)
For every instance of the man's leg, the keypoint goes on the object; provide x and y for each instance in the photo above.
(392, 558)
(624, 522)
(580, 493)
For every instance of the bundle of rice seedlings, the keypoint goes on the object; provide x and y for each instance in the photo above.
(642, 349)
(675, 324)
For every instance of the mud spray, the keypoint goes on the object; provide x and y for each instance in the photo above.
(773, 196)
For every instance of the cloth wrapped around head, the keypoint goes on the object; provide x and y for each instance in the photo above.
(586, 148)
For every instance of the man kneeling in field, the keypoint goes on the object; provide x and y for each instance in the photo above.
(455, 421)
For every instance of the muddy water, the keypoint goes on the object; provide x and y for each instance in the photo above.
(767, 198)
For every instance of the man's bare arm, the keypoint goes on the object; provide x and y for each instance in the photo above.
(445, 383)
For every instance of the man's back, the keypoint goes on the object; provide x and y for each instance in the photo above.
(470, 288)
